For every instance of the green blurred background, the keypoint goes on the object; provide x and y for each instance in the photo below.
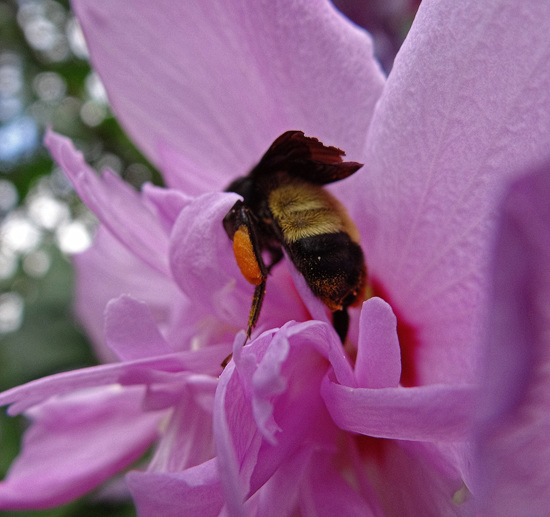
(45, 80)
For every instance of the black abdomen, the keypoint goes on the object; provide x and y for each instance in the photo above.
(333, 266)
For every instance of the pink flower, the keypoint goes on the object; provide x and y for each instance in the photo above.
(397, 425)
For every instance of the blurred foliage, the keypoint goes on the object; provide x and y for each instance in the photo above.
(48, 340)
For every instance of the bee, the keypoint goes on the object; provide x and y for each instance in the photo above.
(285, 207)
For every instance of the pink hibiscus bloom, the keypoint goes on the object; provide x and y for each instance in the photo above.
(430, 411)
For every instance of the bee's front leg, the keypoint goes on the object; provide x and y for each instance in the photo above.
(241, 227)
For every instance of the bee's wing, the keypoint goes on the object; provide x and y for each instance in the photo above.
(306, 158)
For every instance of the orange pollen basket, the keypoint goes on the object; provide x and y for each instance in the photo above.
(245, 256)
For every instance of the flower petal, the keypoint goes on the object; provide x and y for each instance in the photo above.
(514, 424)
(270, 408)
(168, 202)
(466, 105)
(131, 331)
(378, 363)
(267, 383)
(268, 501)
(324, 340)
(229, 79)
(105, 271)
(115, 203)
(315, 306)
(188, 437)
(426, 413)
(235, 438)
(195, 491)
(326, 493)
(413, 478)
(76, 442)
(202, 262)
(141, 371)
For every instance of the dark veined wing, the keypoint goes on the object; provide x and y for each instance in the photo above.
(306, 158)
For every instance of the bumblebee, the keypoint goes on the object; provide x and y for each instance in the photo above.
(284, 206)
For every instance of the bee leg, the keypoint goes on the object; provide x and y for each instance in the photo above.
(257, 301)
(241, 227)
(255, 309)
(340, 322)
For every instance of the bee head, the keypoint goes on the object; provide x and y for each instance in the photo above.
(244, 186)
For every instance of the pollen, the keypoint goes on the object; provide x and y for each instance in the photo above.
(245, 256)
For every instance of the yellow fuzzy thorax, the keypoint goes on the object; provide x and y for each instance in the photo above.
(305, 210)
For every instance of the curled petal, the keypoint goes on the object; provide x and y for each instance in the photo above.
(268, 407)
(202, 261)
(131, 331)
(267, 383)
(426, 413)
(324, 340)
(378, 363)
